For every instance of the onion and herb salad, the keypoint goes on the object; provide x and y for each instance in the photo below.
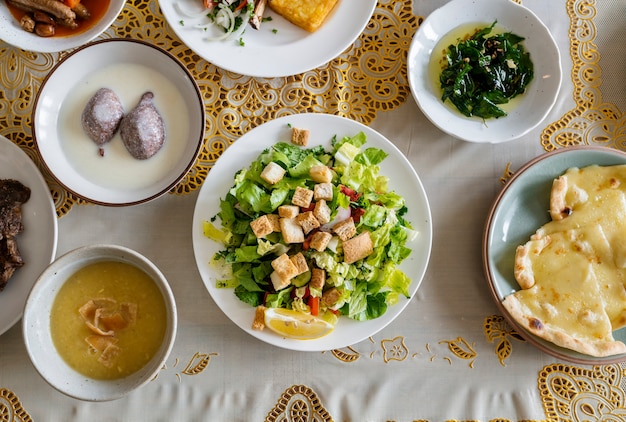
(482, 72)
(360, 287)
(231, 17)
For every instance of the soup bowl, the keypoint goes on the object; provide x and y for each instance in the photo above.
(47, 349)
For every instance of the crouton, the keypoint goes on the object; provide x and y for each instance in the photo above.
(299, 261)
(331, 296)
(323, 191)
(318, 278)
(302, 197)
(321, 174)
(357, 248)
(284, 267)
(288, 211)
(259, 318)
(299, 137)
(278, 282)
(262, 226)
(273, 173)
(307, 221)
(322, 211)
(345, 229)
(291, 230)
(274, 220)
(320, 240)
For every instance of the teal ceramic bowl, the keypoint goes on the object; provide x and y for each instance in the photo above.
(518, 211)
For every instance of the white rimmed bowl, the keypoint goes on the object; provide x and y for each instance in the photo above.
(38, 339)
(12, 33)
(130, 68)
(529, 109)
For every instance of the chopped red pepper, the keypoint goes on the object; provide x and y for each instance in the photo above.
(209, 4)
(241, 5)
(314, 305)
(307, 243)
(350, 193)
(357, 213)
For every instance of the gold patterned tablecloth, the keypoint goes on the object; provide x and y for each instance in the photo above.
(446, 344)
(368, 78)
(598, 76)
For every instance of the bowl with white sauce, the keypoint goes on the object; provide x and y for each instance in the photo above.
(57, 26)
(69, 109)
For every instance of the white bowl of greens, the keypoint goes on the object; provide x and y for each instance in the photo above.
(365, 307)
(485, 71)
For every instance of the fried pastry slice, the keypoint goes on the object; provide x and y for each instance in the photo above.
(307, 14)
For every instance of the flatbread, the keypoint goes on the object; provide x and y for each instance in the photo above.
(577, 186)
(565, 305)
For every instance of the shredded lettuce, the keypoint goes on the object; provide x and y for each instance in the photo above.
(365, 288)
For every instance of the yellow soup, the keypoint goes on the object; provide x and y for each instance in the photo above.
(108, 320)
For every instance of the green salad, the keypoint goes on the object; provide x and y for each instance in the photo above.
(327, 213)
(483, 72)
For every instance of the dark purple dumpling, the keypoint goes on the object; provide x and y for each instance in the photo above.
(143, 130)
(102, 115)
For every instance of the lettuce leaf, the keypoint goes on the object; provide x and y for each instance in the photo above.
(371, 156)
(292, 155)
(363, 177)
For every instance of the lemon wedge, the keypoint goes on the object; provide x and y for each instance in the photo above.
(296, 325)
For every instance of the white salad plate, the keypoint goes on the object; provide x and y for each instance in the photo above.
(129, 68)
(323, 127)
(526, 111)
(278, 48)
(38, 242)
(517, 212)
(12, 33)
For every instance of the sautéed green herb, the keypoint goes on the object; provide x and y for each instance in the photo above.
(484, 71)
